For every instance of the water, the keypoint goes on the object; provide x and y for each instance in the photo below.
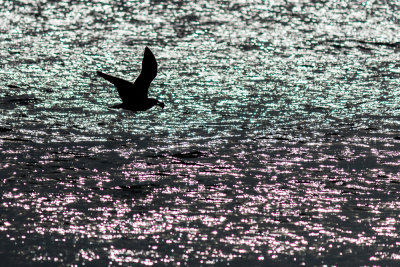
(278, 144)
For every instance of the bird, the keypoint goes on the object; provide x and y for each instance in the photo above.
(135, 95)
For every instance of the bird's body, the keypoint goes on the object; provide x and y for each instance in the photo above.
(134, 95)
(145, 105)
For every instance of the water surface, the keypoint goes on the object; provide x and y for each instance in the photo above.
(278, 144)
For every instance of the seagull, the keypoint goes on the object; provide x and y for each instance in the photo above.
(134, 95)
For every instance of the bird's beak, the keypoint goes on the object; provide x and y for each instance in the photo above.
(161, 104)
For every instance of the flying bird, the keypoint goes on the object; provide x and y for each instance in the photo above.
(135, 95)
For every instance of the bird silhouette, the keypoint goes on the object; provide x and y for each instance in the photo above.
(135, 95)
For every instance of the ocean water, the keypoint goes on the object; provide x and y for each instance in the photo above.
(278, 145)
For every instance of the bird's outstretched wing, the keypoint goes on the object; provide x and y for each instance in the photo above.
(148, 73)
(137, 91)
(124, 88)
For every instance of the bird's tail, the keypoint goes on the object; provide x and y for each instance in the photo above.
(117, 106)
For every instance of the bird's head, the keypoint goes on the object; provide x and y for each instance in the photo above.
(161, 104)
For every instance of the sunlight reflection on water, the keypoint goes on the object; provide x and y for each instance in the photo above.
(278, 143)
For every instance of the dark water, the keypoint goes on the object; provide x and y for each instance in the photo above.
(279, 143)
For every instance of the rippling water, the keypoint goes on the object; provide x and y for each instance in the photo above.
(279, 143)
